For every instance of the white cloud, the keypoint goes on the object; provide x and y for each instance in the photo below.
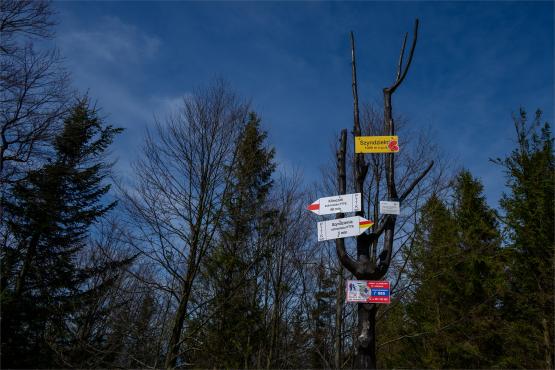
(109, 62)
(164, 105)
(111, 41)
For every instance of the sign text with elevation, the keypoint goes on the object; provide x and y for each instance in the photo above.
(376, 144)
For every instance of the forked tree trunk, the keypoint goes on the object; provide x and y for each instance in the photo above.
(369, 266)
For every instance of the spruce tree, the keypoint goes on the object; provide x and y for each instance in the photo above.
(528, 306)
(480, 277)
(237, 330)
(457, 268)
(49, 214)
(432, 263)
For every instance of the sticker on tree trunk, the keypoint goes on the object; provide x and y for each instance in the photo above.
(338, 204)
(342, 228)
(389, 207)
(365, 291)
(376, 144)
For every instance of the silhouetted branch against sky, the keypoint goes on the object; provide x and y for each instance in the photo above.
(475, 64)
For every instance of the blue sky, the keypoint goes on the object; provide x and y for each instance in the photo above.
(475, 64)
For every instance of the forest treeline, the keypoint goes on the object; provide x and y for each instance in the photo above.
(205, 257)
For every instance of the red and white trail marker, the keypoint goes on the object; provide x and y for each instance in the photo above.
(338, 204)
(342, 228)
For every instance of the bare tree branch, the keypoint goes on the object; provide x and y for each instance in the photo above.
(401, 77)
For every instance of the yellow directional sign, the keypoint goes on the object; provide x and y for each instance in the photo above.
(376, 144)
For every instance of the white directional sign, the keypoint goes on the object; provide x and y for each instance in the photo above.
(389, 208)
(338, 204)
(342, 228)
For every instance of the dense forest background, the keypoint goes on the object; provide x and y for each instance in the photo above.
(207, 256)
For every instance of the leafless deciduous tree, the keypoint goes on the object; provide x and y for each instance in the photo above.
(283, 280)
(277, 283)
(33, 86)
(25, 17)
(177, 203)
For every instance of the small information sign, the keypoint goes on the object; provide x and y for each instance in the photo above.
(389, 207)
(365, 291)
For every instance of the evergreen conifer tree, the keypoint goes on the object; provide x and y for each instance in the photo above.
(479, 276)
(528, 307)
(237, 329)
(457, 268)
(49, 213)
(433, 260)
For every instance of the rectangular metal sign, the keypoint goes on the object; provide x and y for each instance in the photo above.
(389, 207)
(338, 204)
(342, 228)
(376, 144)
(365, 291)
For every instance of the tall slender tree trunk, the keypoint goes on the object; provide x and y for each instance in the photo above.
(274, 331)
(31, 251)
(339, 319)
(548, 345)
(174, 343)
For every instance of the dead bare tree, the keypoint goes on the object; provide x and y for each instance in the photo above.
(369, 265)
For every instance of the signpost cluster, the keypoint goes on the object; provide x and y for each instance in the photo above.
(358, 291)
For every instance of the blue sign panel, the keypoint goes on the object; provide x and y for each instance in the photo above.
(376, 292)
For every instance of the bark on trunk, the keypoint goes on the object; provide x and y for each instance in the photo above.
(31, 251)
(175, 340)
(339, 320)
(366, 341)
(548, 345)
(174, 343)
(340, 245)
